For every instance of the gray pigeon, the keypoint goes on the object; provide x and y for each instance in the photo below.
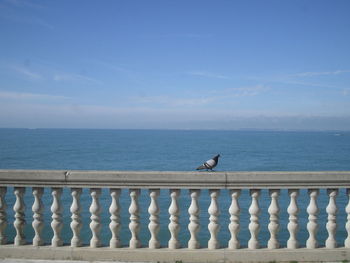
(210, 164)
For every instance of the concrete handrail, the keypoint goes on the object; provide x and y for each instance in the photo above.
(176, 179)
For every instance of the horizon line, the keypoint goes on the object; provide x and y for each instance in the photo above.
(183, 129)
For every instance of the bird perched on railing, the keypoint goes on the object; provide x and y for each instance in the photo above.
(210, 164)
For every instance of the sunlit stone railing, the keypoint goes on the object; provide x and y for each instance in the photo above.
(235, 182)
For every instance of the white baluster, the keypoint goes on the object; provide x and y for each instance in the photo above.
(274, 219)
(234, 211)
(214, 225)
(347, 225)
(57, 223)
(254, 226)
(293, 226)
(76, 223)
(95, 224)
(134, 224)
(312, 225)
(3, 216)
(114, 225)
(153, 225)
(332, 223)
(174, 226)
(19, 222)
(194, 225)
(38, 218)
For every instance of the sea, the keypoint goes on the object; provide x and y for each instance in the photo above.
(176, 150)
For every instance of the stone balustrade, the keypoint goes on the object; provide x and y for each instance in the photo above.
(175, 249)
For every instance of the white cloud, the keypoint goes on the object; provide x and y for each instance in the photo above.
(188, 35)
(214, 96)
(207, 74)
(23, 4)
(246, 91)
(28, 73)
(13, 7)
(111, 66)
(171, 101)
(178, 36)
(29, 96)
(292, 80)
(26, 20)
(307, 84)
(322, 73)
(75, 78)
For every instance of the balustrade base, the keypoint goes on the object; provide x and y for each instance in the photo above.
(174, 255)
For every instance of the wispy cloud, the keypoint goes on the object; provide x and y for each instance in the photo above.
(49, 73)
(179, 36)
(29, 96)
(214, 96)
(296, 80)
(306, 84)
(12, 13)
(113, 67)
(188, 35)
(207, 74)
(346, 92)
(26, 72)
(71, 77)
(23, 4)
(321, 73)
(171, 101)
(245, 91)
(32, 20)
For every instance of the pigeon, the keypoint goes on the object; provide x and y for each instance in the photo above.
(210, 164)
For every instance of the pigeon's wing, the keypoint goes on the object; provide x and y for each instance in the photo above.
(210, 163)
(201, 167)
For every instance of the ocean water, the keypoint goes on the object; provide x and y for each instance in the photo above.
(178, 150)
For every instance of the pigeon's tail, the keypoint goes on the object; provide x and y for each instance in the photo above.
(201, 167)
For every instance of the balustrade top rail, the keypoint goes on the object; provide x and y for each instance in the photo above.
(176, 179)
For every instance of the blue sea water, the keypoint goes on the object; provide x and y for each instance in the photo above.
(180, 150)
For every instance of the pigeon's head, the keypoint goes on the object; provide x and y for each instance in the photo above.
(216, 157)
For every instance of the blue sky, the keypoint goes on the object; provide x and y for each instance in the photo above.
(175, 64)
